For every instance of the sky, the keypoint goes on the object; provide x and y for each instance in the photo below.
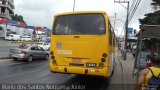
(41, 12)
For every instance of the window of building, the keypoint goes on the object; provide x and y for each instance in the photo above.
(3, 2)
(3, 10)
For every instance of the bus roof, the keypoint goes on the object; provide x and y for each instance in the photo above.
(149, 31)
(80, 12)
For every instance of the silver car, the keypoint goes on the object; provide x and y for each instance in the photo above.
(28, 52)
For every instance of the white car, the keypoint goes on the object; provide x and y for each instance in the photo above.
(45, 46)
(13, 37)
(26, 38)
(9, 37)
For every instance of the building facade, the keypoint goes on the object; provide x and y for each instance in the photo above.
(6, 8)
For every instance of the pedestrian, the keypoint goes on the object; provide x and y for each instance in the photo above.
(153, 52)
(150, 77)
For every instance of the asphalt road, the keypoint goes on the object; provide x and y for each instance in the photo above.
(37, 72)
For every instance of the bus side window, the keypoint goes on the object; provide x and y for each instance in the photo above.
(110, 33)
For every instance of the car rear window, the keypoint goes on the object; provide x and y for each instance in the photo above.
(23, 47)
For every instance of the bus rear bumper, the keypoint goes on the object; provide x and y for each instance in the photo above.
(80, 70)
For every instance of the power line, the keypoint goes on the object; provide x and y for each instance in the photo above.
(134, 10)
(132, 6)
(142, 9)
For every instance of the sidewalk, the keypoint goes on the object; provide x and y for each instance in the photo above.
(122, 78)
(128, 65)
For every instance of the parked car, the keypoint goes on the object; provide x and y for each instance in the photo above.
(26, 38)
(45, 46)
(28, 52)
(13, 37)
(9, 37)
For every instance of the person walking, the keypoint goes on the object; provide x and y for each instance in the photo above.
(149, 78)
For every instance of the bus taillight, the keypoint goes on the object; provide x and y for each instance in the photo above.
(101, 64)
(51, 53)
(52, 57)
(103, 59)
(104, 55)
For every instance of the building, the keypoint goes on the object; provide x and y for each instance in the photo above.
(6, 8)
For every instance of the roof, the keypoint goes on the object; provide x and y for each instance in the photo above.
(150, 31)
(80, 12)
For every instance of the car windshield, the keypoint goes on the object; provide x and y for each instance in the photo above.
(79, 24)
(23, 46)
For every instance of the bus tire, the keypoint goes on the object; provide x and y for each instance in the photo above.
(113, 69)
(15, 59)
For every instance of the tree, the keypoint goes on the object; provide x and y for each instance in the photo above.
(1, 28)
(17, 18)
(155, 4)
(151, 18)
(14, 33)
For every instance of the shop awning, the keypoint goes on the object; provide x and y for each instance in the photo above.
(38, 28)
(3, 20)
(150, 31)
(21, 24)
(30, 27)
(12, 22)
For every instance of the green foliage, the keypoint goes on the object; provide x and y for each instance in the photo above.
(17, 18)
(151, 18)
(1, 28)
(155, 4)
(14, 33)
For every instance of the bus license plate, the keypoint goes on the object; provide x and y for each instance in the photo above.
(91, 65)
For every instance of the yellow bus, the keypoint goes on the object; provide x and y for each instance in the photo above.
(82, 43)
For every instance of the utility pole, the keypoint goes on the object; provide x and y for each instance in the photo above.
(6, 24)
(115, 21)
(125, 52)
(126, 27)
(74, 5)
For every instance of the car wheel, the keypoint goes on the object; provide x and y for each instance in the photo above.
(30, 59)
(46, 57)
(15, 59)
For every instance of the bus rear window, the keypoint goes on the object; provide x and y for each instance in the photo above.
(79, 24)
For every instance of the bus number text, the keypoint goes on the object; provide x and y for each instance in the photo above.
(67, 52)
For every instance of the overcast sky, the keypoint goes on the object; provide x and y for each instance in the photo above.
(41, 12)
